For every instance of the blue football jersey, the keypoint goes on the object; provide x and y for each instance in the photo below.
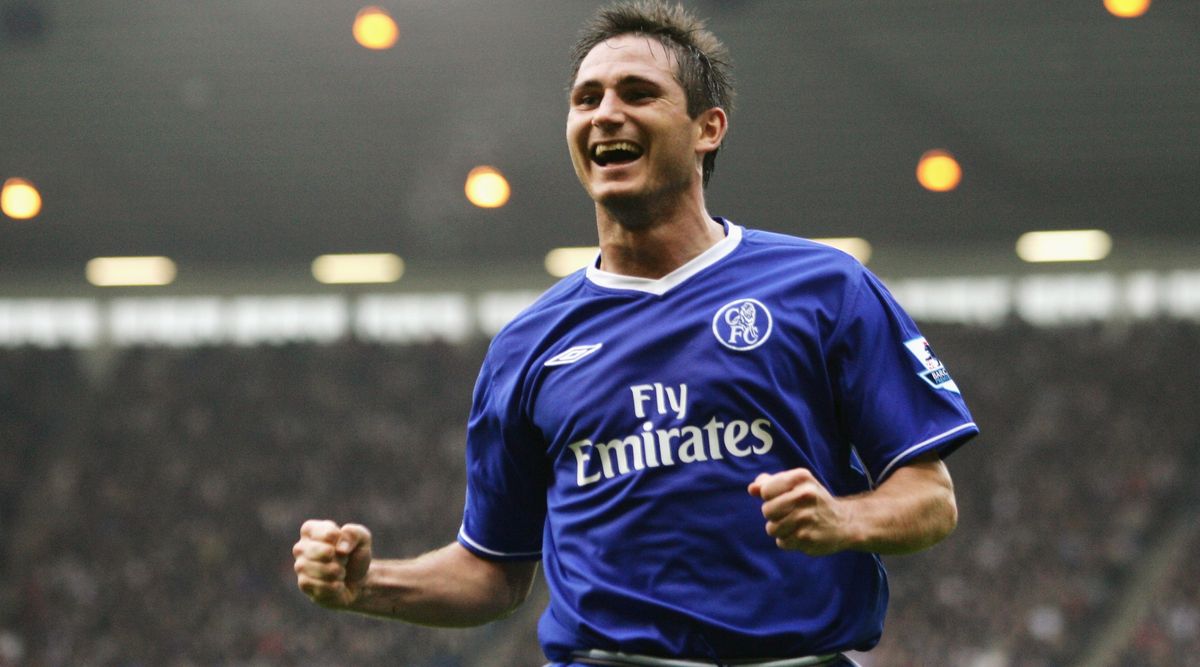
(618, 421)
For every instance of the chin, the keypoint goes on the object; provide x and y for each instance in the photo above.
(619, 197)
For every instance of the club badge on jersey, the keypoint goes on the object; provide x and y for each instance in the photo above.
(742, 325)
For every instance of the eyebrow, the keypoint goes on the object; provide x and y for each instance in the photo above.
(627, 80)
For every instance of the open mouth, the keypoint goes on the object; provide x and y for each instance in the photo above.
(615, 153)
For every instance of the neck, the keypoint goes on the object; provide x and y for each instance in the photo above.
(651, 242)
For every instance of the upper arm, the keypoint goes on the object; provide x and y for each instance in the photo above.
(928, 477)
(929, 465)
(507, 473)
(926, 470)
(508, 580)
(896, 401)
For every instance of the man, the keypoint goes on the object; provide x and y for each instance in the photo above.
(707, 437)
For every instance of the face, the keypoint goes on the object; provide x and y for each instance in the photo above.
(628, 129)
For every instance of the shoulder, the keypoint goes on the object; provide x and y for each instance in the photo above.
(565, 292)
(813, 267)
(800, 249)
(526, 335)
(813, 254)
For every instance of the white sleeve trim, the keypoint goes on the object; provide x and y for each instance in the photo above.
(462, 535)
(919, 445)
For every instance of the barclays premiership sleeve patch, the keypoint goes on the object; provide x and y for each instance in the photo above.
(935, 373)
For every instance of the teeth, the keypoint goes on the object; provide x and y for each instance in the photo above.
(617, 146)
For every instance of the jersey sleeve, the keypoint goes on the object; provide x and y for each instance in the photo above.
(896, 399)
(506, 473)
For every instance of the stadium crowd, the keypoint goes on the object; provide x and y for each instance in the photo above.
(1170, 633)
(150, 497)
(1089, 446)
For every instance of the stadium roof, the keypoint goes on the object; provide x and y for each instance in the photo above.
(251, 134)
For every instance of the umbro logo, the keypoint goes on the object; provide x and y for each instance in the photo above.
(572, 355)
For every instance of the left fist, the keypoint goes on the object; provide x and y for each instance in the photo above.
(801, 514)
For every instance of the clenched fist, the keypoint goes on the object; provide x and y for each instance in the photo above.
(332, 562)
(801, 514)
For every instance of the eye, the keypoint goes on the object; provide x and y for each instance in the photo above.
(586, 100)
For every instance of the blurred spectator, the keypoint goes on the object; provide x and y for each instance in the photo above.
(1087, 443)
(151, 513)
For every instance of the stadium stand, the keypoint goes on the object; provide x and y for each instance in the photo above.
(1170, 635)
(150, 498)
(1088, 445)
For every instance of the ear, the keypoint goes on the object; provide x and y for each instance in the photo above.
(711, 126)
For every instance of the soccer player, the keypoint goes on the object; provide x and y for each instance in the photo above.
(707, 437)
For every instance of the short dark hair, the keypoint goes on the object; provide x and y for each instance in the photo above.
(703, 67)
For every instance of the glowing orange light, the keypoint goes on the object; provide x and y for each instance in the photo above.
(487, 188)
(938, 171)
(375, 29)
(19, 199)
(1127, 9)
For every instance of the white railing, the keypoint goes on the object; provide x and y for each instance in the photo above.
(1041, 300)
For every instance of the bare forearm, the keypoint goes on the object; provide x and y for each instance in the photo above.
(449, 587)
(912, 510)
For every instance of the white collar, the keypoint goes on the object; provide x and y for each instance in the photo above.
(660, 286)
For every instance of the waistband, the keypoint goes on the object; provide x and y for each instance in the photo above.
(617, 659)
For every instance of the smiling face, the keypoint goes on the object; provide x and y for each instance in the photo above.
(628, 128)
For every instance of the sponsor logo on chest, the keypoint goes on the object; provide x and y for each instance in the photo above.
(680, 441)
(669, 435)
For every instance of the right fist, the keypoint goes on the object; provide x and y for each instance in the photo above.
(332, 562)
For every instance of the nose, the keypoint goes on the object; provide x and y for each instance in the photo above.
(609, 112)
